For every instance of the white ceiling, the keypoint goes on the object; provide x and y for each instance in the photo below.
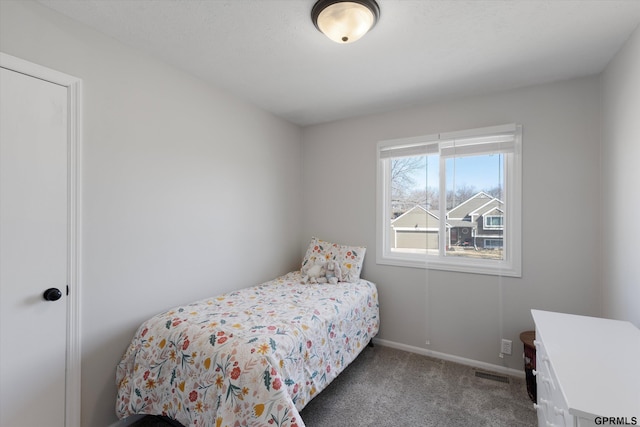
(269, 53)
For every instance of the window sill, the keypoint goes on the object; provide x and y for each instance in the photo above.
(489, 267)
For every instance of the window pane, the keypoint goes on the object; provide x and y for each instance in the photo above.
(475, 206)
(413, 226)
(447, 202)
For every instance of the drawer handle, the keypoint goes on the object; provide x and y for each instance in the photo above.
(550, 424)
(558, 411)
(547, 380)
(534, 372)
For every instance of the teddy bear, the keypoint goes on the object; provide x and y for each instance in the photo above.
(333, 273)
(314, 272)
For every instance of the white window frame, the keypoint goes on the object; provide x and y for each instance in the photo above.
(504, 138)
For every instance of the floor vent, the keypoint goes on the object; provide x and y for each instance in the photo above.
(493, 377)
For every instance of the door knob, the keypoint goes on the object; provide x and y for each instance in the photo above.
(52, 294)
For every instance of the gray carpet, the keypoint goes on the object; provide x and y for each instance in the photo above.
(388, 387)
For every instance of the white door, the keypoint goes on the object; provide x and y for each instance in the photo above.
(33, 250)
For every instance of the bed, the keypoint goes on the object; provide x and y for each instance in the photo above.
(252, 357)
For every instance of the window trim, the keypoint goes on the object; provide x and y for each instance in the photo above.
(512, 220)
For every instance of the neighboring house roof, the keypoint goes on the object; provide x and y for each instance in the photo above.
(494, 211)
(417, 217)
(490, 206)
(480, 204)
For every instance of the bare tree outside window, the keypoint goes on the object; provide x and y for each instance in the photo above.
(403, 172)
(459, 195)
(403, 182)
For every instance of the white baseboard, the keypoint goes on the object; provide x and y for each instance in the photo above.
(127, 421)
(451, 358)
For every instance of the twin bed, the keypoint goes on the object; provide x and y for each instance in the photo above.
(252, 357)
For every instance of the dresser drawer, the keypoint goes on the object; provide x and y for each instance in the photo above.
(552, 408)
(545, 378)
(544, 386)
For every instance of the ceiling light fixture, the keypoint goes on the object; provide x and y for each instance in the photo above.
(345, 21)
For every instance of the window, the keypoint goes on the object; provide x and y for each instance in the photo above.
(493, 243)
(493, 221)
(452, 201)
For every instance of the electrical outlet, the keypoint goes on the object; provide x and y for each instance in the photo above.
(505, 347)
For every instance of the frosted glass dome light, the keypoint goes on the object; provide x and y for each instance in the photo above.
(345, 21)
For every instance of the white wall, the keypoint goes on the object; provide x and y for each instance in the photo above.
(621, 183)
(465, 315)
(188, 192)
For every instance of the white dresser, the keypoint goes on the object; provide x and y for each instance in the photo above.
(587, 368)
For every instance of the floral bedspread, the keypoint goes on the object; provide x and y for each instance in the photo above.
(253, 357)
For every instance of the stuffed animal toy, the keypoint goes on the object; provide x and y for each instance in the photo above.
(333, 274)
(314, 272)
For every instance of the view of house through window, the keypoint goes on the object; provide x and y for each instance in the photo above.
(474, 215)
(444, 201)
